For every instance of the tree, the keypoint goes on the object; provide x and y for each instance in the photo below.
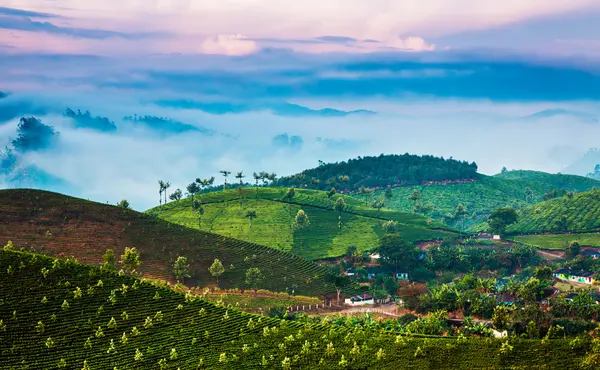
(289, 195)
(378, 204)
(504, 170)
(251, 215)
(240, 175)
(216, 269)
(389, 227)
(501, 218)
(389, 194)
(528, 194)
(501, 317)
(177, 195)
(123, 204)
(573, 249)
(257, 176)
(225, 174)
(414, 197)
(254, 278)
(193, 189)
(340, 206)
(338, 281)
(161, 188)
(110, 260)
(130, 259)
(301, 220)
(167, 186)
(200, 209)
(331, 193)
(461, 211)
(396, 253)
(181, 268)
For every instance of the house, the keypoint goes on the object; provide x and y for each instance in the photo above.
(374, 256)
(496, 237)
(582, 277)
(506, 299)
(484, 236)
(402, 275)
(590, 253)
(358, 300)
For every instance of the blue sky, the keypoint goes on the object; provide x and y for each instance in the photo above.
(500, 83)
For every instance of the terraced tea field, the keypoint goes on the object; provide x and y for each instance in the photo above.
(64, 226)
(273, 225)
(59, 314)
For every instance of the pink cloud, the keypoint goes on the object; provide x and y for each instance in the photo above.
(232, 44)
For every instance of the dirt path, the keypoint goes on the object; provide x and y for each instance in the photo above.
(551, 255)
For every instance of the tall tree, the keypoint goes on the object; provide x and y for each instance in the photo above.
(362, 191)
(240, 175)
(216, 269)
(181, 268)
(257, 177)
(130, 259)
(254, 277)
(338, 281)
(414, 197)
(251, 215)
(110, 260)
(167, 186)
(225, 173)
(272, 177)
(301, 220)
(289, 195)
(573, 249)
(331, 193)
(396, 253)
(501, 218)
(161, 188)
(340, 206)
(193, 189)
(378, 204)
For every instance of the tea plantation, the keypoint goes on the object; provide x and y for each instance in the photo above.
(273, 226)
(65, 226)
(59, 314)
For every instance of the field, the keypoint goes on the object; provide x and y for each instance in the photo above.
(65, 226)
(60, 314)
(582, 212)
(273, 226)
(557, 241)
(488, 193)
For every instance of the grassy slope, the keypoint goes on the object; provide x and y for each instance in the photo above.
(557, 242)
(582, 212)
(361, 226)
(489, 193)
(198, 330)
(64, 225)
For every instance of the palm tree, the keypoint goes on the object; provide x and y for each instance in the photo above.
(272, 177)
(167, 185)
(251, 214)
(240, 175)
(225, 174)
(257, 176)
(161, 185)
(192, 189)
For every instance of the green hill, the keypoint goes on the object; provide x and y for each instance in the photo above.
(65, 226)
(484, 195)
(380, 172)
(582, 212)
(273, 226)
(60, 314)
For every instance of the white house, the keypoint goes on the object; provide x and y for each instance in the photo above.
(496, 237)
(375, 256)
(359, 300)
(583, 277)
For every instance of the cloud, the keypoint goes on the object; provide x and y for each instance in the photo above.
(409, 43)
(26, 13)
(232, 44)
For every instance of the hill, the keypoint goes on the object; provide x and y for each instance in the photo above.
(273, 225)
(62, 314)
(484, 195)
(582, 212)
(67, 226)
(381, 172)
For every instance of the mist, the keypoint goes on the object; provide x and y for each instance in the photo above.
(127, 164)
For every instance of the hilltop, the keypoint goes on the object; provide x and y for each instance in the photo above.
(380, 172)
(62, 314)
(65, 226)
(485, 194)
(581, 212)
(274, 223)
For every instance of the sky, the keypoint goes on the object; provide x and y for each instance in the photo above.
(508, 83)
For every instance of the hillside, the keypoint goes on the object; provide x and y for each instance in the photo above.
(481, 197)
(63, 226)
(273, 225)
(61, 314)
(582, 212)
(381, 172)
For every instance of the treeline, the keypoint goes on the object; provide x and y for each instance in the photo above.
(382, 171)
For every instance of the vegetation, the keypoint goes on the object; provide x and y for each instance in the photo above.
(64, 226)
(121, 322)
(380, 172)
(576, 213)
(283, 215)
(555, 241)
(483, 195)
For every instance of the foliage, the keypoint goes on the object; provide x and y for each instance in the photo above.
(181, 268)
(381, 171)
(123, 204)
(130, 259)
(501, 218)
(254, 277)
